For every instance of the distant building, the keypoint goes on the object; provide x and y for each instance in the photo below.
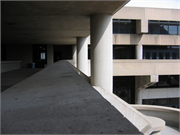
(146, 44)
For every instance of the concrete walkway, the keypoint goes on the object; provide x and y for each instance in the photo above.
(57, 100)
(11, 78)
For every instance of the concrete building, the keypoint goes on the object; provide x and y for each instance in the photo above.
(133, 52)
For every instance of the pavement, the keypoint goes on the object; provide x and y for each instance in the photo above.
(10, 78)
(56, 100)
(168, 130)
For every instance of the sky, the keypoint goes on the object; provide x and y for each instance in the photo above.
(173, 4)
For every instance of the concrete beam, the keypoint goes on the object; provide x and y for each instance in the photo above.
(145, 67)
(142, 82)
(146, 39)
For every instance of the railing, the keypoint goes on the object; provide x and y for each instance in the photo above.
(10, 65)
(87, 78)
(146, 67)
(170, 115)
(143, 123)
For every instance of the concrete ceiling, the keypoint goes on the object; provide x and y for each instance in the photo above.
(50, 22)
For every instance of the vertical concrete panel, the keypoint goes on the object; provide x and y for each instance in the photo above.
(82, 54)
(74, 54)
(50, 55)
(101, 51)
(139, 51)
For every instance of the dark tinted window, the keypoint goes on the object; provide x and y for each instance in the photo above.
(124, 87)
(161, 52)
(123, 52)
(115, 26)
(154, 28)
(164, 27)
(170, 102)
(167, 81)
(124, 26)
(173, 28)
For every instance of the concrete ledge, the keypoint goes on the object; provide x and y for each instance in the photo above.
(170, 115)
(157, 124)
(134, 116)
(57, 100)
(145, 67)
(145, 39)
(10, 65)
(79, 72)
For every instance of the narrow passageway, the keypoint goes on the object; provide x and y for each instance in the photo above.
(57, 100)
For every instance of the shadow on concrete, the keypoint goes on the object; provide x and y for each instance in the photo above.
(57, 100)
(8, 79)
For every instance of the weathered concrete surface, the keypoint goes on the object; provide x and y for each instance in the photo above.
(57, 100)
(10, 78)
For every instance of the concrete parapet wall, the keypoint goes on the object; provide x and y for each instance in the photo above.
(145, 124)
(170, 115)
(148, 13)
(10, 65)
(145, 67)
(160, 93)
(145, 39)
(72, 64)
(135, 117)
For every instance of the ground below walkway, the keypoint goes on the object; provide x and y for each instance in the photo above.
(57, 100)
(11, 78)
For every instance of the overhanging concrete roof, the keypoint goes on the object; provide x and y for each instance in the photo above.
(50, 22)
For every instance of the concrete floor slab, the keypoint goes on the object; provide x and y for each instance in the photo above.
(57, 100)
(11, 78)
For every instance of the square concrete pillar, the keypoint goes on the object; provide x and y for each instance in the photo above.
(141, 26)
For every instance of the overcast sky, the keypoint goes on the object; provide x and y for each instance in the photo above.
(174, 4)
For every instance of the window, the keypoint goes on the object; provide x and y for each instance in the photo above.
(115, 26)
(173, 28)
(166, 81)
(124, 87)
(124, 26)
(161, 52)
(170, 102)
(123, 52)
(43, 56)
(164, 27)
(154, 27)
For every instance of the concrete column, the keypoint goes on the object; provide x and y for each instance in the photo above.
(141, 26)
(50, 55)
(139, 51)
(101, 51)
(82, 54)
(74, 54)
